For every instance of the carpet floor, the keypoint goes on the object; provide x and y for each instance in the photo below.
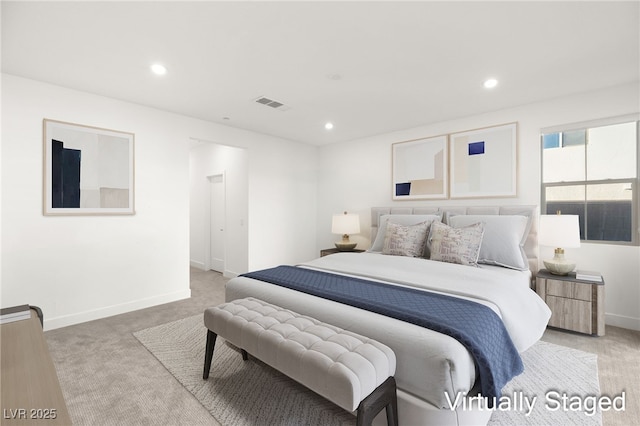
(250, 393)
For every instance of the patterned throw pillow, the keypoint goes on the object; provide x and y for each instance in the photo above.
(401, 240)
(456, 245)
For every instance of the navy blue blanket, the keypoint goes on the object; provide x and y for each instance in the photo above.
(474, 325)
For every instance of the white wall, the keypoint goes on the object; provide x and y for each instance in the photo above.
(357, 176)
(282, 205)
(78, 268)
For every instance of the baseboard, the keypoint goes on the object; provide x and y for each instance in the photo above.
(200, 265)
(230, 274)
(197, 264)
(622, 321)
(108, 311)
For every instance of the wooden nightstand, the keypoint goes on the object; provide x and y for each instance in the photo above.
(576, 305)
(327, 252)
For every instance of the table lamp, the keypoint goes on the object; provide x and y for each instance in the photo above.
(345, 224)
(560, 231)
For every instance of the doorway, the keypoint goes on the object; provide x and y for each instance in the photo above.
(219, 183)
(217, 220)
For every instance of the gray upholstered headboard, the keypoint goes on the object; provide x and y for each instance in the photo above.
(530, 247)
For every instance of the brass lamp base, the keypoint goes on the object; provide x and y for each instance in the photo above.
(345, 247)
(345, 244)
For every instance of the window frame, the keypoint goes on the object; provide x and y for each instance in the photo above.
(635, 182)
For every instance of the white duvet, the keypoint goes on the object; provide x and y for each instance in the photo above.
(429, 364)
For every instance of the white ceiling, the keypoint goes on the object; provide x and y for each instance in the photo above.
(369, 67)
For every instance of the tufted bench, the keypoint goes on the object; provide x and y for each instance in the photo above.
(352, 371)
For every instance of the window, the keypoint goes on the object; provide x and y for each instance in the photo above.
(592, 171)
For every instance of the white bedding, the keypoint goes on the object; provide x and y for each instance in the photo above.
(429, 364)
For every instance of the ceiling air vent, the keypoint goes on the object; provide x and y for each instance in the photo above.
(273, 104)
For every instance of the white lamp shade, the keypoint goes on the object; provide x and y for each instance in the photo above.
(559, 230)
(345, 224)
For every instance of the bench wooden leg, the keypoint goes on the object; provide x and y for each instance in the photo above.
(245, 355)
(384, 396)
(208, 355)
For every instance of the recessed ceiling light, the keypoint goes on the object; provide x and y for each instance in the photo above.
(491, 83)
(328, 126)
(158, 69)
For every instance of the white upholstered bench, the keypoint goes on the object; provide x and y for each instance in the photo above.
(352, 371)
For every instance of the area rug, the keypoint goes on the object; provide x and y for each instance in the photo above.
(250, 393)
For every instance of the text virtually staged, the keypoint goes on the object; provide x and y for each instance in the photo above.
(553, 401)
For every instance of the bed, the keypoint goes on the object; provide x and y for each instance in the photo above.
(483, 254)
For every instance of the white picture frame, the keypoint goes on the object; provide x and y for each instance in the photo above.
(484, 162)
(419, 169)
(87, 170)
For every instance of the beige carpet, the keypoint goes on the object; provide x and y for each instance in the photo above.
(556, 369)
(249, 393)
(237, 393)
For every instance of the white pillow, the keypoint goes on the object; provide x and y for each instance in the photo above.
(503, 240)
(456, 245)
(407, 240)
(400, 219)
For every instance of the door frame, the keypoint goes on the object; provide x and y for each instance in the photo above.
(207, 222)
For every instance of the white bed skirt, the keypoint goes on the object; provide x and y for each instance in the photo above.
(413, 411)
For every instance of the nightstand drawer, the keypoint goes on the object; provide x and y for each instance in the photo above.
(570, 290)
(575, 305)
(570, 314)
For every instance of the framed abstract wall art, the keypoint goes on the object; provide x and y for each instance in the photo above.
(87, 170)
(419, 169)
(484, 161)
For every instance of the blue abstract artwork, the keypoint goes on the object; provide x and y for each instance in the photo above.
(65, 176)
(403, 188)
(476, 148)
(87, 170)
